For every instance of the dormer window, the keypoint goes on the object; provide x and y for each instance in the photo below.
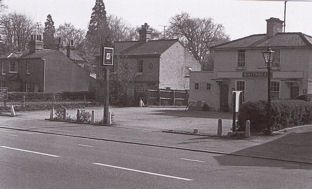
(13, 67)
(241, 62)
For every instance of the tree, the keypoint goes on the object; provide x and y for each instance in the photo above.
(197, 35)
(48, 34)
(119, 30)
(68, 32)
(17, 29)
(98, 30)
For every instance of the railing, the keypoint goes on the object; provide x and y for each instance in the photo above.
(167, 97)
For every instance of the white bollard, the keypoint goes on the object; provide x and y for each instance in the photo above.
(13, 114)
(219, 127)
(109, 121)
(247, 129)
(141, 103)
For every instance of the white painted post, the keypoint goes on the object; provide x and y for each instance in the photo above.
(109, 121)
(219, 127)
(247, 129)
(13, 114)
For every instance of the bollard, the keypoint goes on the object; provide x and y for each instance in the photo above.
(13, 114)
(52, 114)
(196, 131)
(24, 102)
(247, 129)
(109, 121)
(92, 117)
(64, 114)
(78, 115)
(219, 127)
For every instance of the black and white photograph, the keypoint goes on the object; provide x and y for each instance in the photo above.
(155, 94)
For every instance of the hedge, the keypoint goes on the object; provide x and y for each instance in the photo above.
(284, 113)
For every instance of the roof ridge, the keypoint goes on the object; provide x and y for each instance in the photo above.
(236, 40)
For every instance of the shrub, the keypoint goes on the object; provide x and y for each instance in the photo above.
(84, 116)
(284, 113)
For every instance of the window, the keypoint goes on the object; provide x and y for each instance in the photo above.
(276, 58)
(187, 71)
(275, 89)
(2, 68)
(27, 68)
(208, 86)
(196, 86)
(140, 66)
(13, 67)
(241, 59)
(240, 86)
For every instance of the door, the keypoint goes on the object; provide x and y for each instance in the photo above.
(224, 94)
(294, 92)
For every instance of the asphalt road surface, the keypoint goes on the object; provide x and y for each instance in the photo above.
(35, 160)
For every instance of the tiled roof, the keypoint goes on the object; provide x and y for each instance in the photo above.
(153, 47)
(74, 55)
(262, 40)
(39, 53)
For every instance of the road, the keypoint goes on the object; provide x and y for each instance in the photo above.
(36, 160)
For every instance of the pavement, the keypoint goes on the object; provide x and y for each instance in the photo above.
(145, 126)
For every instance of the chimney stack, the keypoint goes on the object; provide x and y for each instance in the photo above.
(145, 33)
(35, 43)
(274, 26)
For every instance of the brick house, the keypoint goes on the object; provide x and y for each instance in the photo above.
(151, 64)
(42, 70)
(239, 65)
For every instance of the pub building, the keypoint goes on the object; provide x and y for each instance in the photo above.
(239, 65)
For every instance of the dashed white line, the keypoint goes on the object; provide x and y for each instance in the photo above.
(29, 151)
(84, 145)
(194, 160)
(144, 172)
(13, 135)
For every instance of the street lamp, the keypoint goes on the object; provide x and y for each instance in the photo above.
(268, 59)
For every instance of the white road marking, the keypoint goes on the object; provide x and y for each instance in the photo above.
(84, 145)
(192, 160)
(144, 172)
(17, 149)
(12, 135)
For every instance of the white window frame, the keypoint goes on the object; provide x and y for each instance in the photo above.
(140, 65)
(16, 67)
(240, 60)
(279, 88)
(208, 88)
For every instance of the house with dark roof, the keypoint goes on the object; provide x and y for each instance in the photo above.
(42, 70)
(239, 65)
(151, 64)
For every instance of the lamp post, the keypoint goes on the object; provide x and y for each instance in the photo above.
(268, 58)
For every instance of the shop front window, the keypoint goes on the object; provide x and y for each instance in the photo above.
(240, 86)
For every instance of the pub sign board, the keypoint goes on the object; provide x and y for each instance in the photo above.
(3, 93)
(108, 56)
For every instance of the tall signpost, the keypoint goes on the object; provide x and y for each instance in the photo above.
(107, 62)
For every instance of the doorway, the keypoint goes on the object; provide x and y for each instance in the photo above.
(224, 97)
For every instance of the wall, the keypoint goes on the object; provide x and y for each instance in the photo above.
(173, 67)
(34, 78)
(61, 74)
(210, 97)
(293, 61)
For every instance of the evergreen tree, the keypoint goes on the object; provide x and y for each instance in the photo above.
(48, 34)
(98, 31)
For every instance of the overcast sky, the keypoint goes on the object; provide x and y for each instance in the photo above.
(240, 18)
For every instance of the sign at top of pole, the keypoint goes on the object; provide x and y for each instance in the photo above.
(108, 56)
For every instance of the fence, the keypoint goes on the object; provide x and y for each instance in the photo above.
(167, 97)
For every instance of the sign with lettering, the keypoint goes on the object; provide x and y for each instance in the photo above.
(255, 74)
(3, 93)
(108, 55)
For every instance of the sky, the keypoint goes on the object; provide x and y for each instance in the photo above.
(239, 17)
